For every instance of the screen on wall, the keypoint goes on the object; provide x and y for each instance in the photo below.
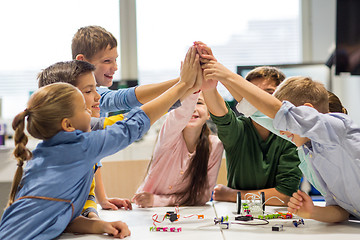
(347, 57)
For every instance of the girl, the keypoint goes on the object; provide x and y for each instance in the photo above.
(186, 159)
(39, 206)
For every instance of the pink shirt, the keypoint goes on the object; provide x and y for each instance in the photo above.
(171, 158)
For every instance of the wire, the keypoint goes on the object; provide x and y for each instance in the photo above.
(248, 222)
(273, 197)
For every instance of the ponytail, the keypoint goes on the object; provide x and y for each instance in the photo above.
(21, 153)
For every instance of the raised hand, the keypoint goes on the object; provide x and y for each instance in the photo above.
(189, 67)
(216, 71)
(204, 51)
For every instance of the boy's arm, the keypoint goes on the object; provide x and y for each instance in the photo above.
(240, 87)
(215, 103)
(148, 92)
(302, 205)
(116, 100)
(269, 192)
(330, 214)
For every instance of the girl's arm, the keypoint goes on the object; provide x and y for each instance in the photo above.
(175, 123)
(146, 93)
(82, 224)
(240, 87)
(156, 108)
(146, 200)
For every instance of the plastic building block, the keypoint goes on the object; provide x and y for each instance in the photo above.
(277, 227)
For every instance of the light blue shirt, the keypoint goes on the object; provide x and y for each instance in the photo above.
(62, 168)
(334, 152)
(303, 151)
(116, 100)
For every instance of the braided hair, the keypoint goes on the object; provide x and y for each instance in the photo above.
(47, 107)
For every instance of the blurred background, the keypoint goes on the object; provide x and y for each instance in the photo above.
(301, 37)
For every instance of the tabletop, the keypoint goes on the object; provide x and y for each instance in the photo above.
(198, 223)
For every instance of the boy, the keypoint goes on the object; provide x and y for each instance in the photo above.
(79, 74)
(328, 144)
(97, 46)
(257, 160)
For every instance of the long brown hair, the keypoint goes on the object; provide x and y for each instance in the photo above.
(44, 113)
(197, 172)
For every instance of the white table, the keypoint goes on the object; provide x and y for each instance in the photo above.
(310, 230)
(140, 220)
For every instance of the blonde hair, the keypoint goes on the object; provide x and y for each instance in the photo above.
(47, 107)
(90, 40)
(301, 90)
(266, 72)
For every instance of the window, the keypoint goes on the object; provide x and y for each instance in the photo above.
(38, 33)
(239, 33)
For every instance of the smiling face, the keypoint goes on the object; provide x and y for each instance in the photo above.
(106, 66)
(82, 115)
(200, 115)
(87, 86)
(296, 139)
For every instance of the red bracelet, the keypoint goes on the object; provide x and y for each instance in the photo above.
(197, 91)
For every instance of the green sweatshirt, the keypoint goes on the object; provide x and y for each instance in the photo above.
(253, 163)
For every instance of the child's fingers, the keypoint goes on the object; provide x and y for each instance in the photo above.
(122, 229)
(128, 205)
(113, 206)
(292, 210)
(135, 197)
(208, 74)
(297, 196)
(198, 42)
(303, 195)
(295, 204)
(207, 56)
(192, 56)
(187, 57)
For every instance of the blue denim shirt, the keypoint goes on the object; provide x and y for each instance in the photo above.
(62, 168)
(116, 100)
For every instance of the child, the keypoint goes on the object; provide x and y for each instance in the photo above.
(329, 144)
(80, 75)
(186, 160)
(96, 45)
(256, 159)
(58, 114)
